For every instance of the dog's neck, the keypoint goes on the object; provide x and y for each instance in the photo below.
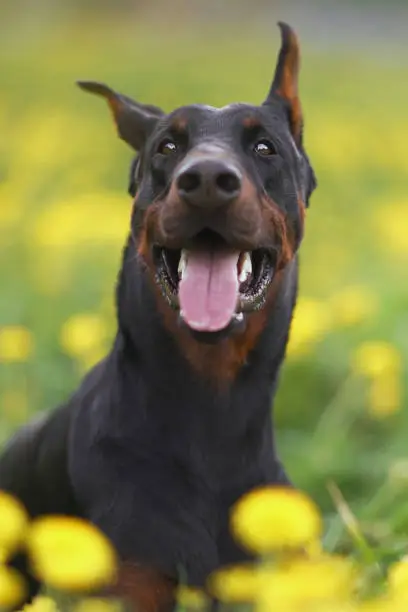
(171, 385)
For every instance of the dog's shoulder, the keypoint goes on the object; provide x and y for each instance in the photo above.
(32, 466)
(34, 463)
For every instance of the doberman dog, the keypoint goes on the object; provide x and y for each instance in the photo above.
(174, 425)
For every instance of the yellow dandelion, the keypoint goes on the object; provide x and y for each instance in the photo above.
(234, 584)
(16, 343)
(275, 518)
(191, 598)
(82, 334)
(385, 395)
(41, 604)
(87, 220)
(330, 579)
(374, 358)
(314, 549)
(353, 305)
(379, 604)
(398, 577)
(310, 323)
(13, 523)
(347, 151)
(391, 226)
(70, 554)
(95, 604)
(12, 587)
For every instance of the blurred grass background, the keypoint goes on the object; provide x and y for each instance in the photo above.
(341, 408)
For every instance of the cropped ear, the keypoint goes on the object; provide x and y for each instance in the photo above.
(285, 82)
(134, 121)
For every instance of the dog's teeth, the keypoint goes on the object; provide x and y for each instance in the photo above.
(239, 316)
(182, 264)
(245, 270)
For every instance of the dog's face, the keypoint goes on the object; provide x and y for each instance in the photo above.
(220, 195)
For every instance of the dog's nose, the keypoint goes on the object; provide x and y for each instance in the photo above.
(209, 183)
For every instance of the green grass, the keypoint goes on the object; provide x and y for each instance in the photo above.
(60, 164)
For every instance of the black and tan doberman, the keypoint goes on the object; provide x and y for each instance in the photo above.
(175, 424)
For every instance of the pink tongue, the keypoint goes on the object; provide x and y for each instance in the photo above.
(208, 290)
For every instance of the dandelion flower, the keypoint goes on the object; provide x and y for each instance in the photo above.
(12, 587)
(235, 584)
(311, 321)
(372, 359)
(95, 604)
(330, 579)
(16, 343)
(191, 598)
(70, 554)
(398, 577)
(353, 305)
(391, 224)
(82, 334)
(41, 604)
(385, 395)
(275, 518)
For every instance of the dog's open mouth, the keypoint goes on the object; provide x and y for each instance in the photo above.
(211, 283)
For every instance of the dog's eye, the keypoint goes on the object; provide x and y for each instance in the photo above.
(167, 147)
(264, 148)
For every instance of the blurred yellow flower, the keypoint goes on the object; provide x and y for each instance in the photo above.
(39, 139)
(96, 218)
(96, 604)
(41, 604)
(380, 604)
(83, 334)
(13, 523)
(385, 395)
(347, 142)
(238, 583)
(330, 579)
(374, 358)
(353, 305)
(310, 322)
(398, 578)
(12, 587)
(191, 598)
(16, 343)
(314, 549)
(70, 554)
(275, 518)
(391, 227)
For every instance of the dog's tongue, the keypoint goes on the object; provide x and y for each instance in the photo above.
(208, 289)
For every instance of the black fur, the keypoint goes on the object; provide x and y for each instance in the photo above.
(149, 450)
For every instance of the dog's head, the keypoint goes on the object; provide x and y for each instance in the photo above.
(220, 196)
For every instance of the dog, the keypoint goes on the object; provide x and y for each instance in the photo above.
(168, 431)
